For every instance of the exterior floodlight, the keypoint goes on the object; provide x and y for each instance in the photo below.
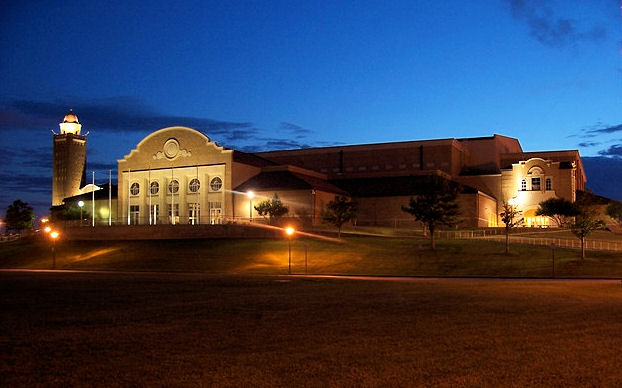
(290, 232)
(47, 229)
(250, 195)
(54, 235)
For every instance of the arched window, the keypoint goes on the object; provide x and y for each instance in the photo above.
(154, 188)
(135, 188)
(194, 185)
(215, 184)
(173, 186)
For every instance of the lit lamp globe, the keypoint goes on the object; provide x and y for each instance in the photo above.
(81, 205)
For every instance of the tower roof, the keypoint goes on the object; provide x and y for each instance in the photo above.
(71, 117)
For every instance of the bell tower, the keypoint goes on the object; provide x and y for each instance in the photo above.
(69, 164)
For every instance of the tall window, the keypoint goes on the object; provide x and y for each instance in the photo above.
(215, 184)
(173, 186)
(154, 213)
(173, 213)
(135, 188)
(523, 185)
(193, 213)
(535, 184)
(194, 185)
(134, 214)
(548, 184)
(154, 188)
(215, 213)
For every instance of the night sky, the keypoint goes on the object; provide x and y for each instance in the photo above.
(260, 75)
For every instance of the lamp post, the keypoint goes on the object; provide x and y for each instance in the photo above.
(290, 232)
(54, 235)
(81, 205)
(250, 195)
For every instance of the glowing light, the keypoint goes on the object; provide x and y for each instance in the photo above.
(250, 194)
(81, 203)
(54, 235)
(290, 231)
(47, 229)
(44, 220)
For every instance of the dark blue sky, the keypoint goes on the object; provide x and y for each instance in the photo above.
(285, 74)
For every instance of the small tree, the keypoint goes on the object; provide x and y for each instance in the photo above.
(436, 206)
(614, 210)
(272, 208)
(585, 222)
(19, 216)
(511, 217)
(339, 211)
(559, 209)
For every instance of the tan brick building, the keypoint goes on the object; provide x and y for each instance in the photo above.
(177, 175)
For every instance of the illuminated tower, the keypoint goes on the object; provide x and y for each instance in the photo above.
(69, 167)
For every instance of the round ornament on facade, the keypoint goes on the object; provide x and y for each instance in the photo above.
(215, 184)
(171, 148)
(195, 185)
(154, 187)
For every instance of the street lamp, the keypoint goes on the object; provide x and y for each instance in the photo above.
(290, 232)
(250, 195)
(54, 235)
(81, 204)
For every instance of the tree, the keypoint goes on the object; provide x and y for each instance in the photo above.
(614, 210)
(436, 206)
(585, 221)
(273, 208)
(559, 209)
(19, 216)
(339, 211)
(511, 217)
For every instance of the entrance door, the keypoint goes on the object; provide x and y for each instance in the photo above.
(215, 215)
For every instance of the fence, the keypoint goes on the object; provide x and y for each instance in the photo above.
(499, 236)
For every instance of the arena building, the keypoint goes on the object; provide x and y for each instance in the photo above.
(177, 175)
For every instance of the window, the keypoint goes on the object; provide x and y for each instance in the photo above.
(548, 184)
(215, 213)
(535, 184)
(193, 213)
(154, 188)
(154, 213)
(135, 188)
(173, 213)
(194, 185)
(134, 214)
(523, 185)
(215, 184)
(173, 186)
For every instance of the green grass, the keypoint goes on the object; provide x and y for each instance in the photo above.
(394, 256)
(118, 329)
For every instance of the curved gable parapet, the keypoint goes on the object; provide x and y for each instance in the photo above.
(175, 145)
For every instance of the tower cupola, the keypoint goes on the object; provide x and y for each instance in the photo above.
(70, 124)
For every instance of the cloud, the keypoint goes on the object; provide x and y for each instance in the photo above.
(116, 114)
(614, 150)
(601, 129)
(296, 130)
(588, 144)
(550, 29)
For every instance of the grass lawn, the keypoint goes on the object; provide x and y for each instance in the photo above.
(367, 255)
(121, 329)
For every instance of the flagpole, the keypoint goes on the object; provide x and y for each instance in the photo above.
(93, 200)
(129, 177)
(172, 197)
(109, 197)
(149, 194)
